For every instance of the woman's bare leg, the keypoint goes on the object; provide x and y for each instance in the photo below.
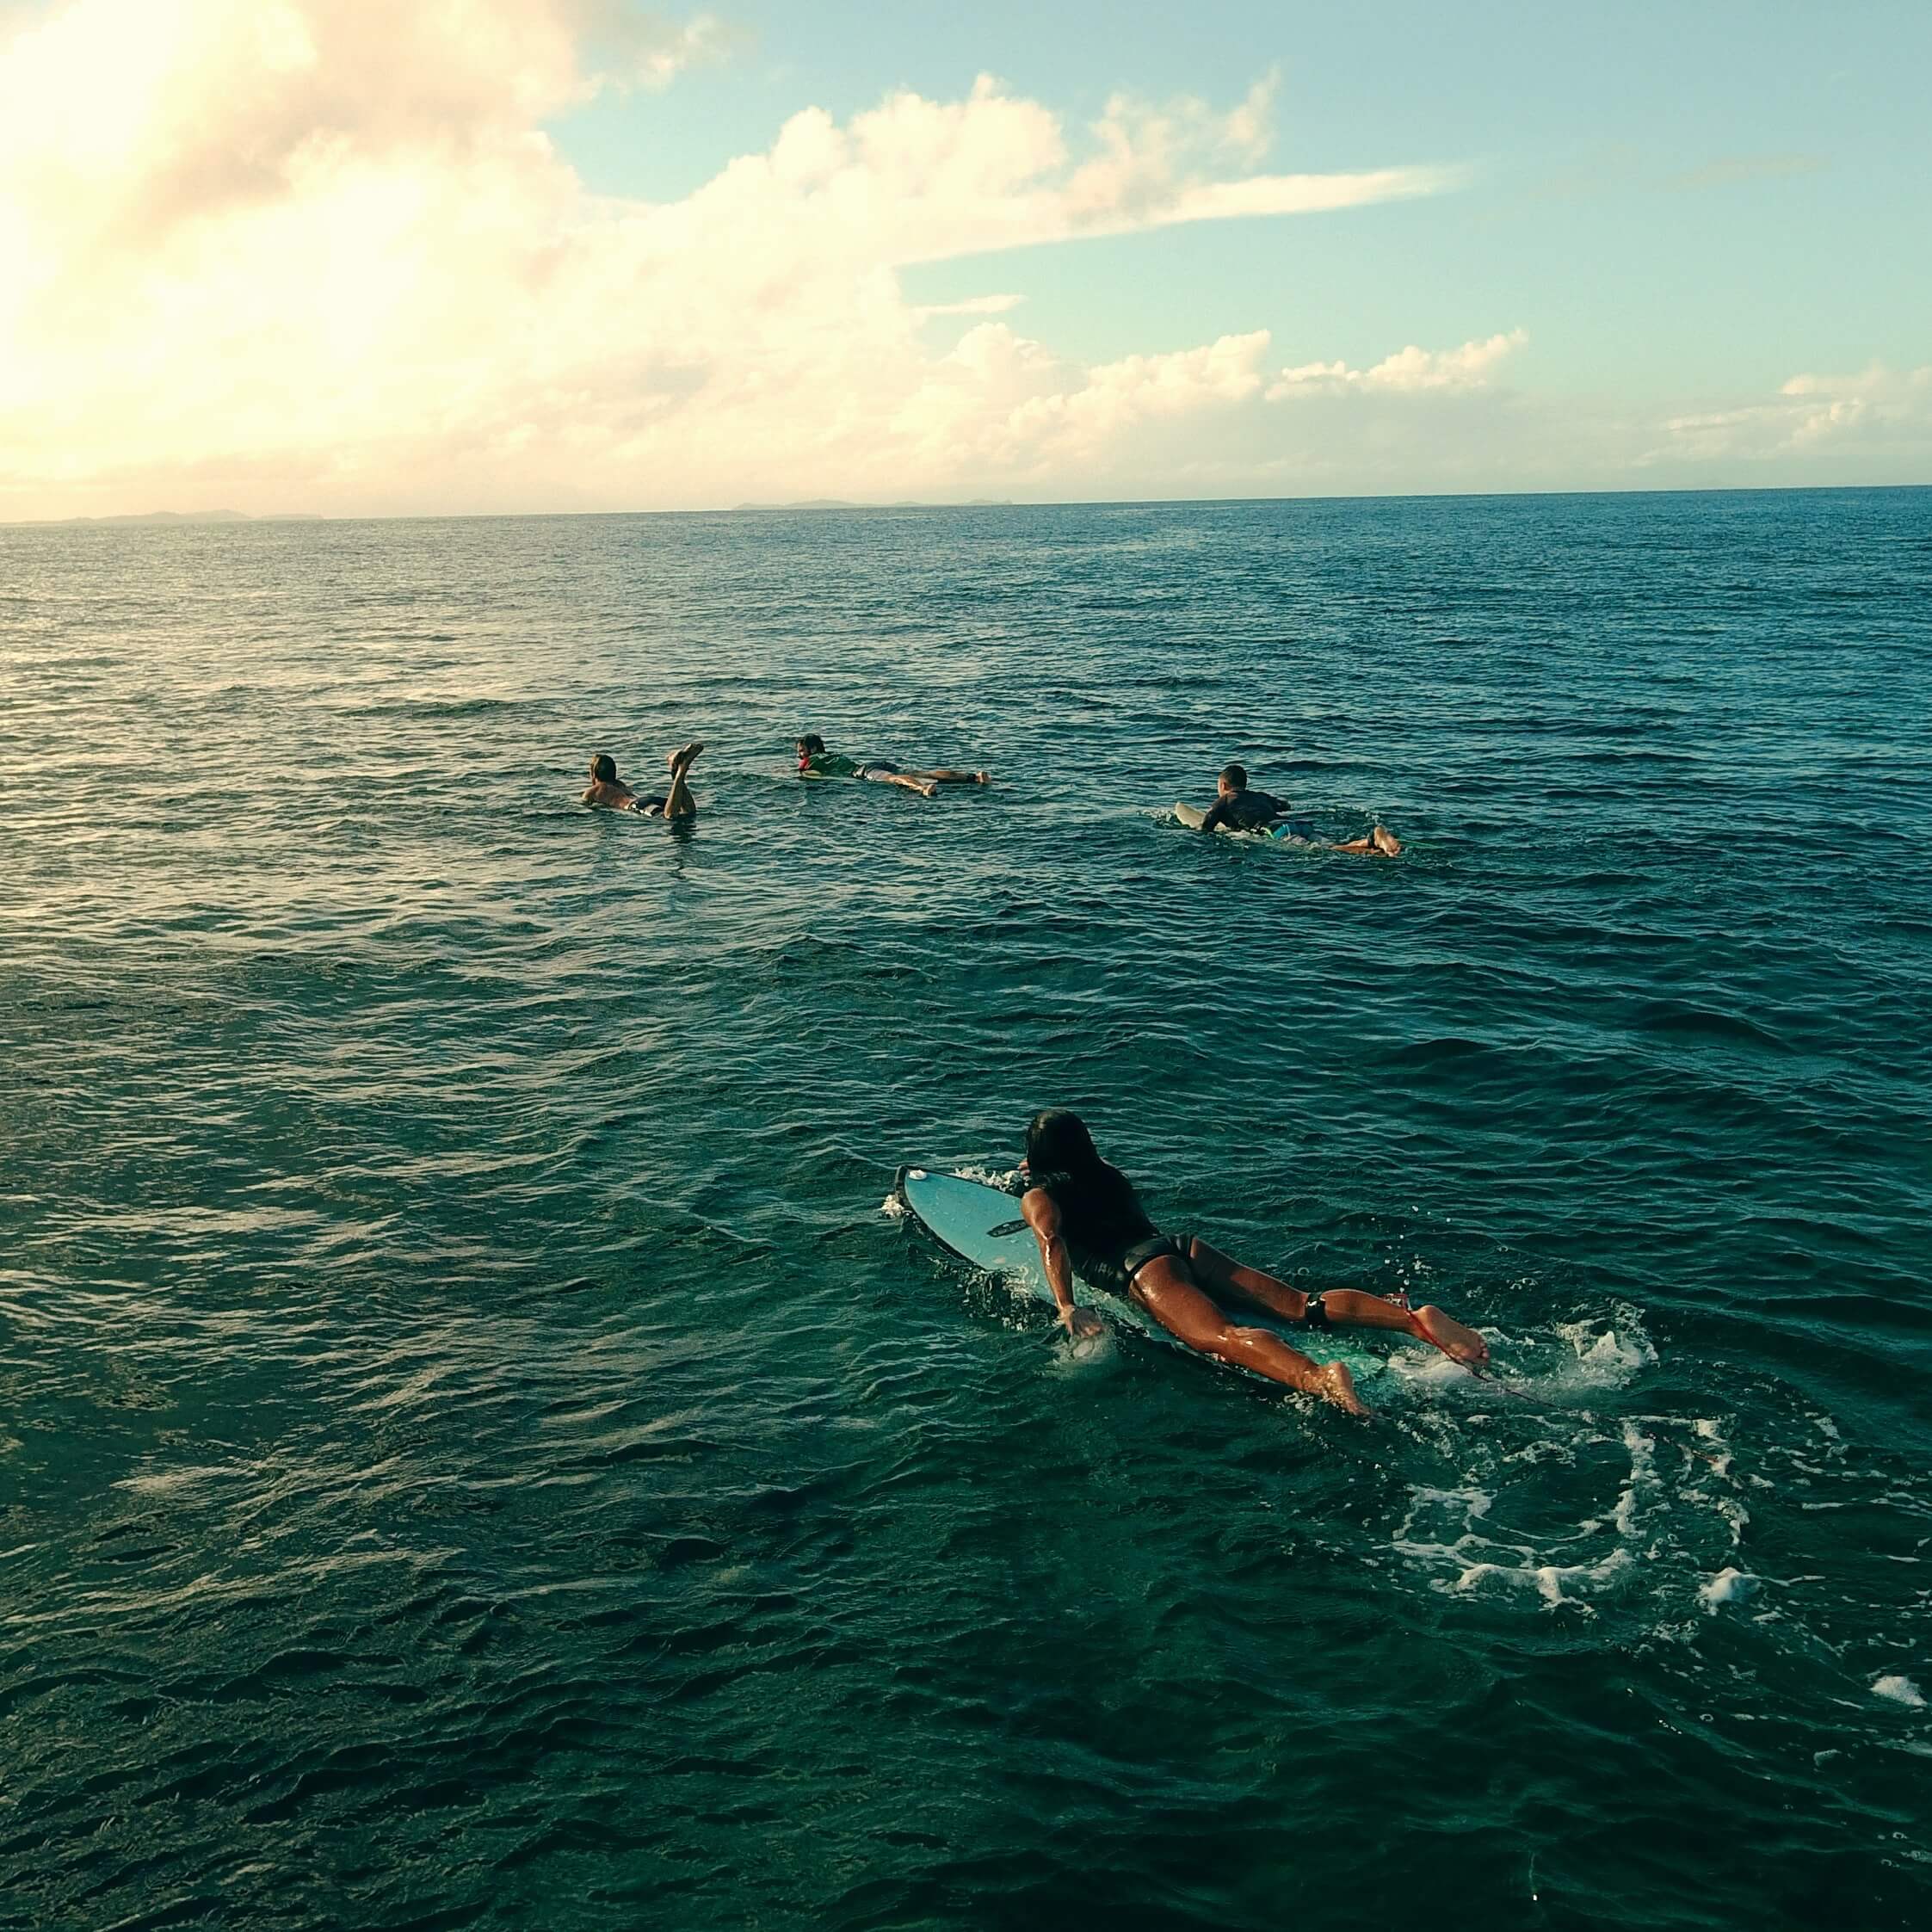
(1446, 1333)
(679, 804)
(1167, 1291)
(906, 780)
(1349, 1307)
(1381, 843)
(1357, 1308)
(1220, 1275)
(946, 775)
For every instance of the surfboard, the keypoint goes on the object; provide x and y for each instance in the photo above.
(1292, 831)
(1193, 818)
(982, 1226)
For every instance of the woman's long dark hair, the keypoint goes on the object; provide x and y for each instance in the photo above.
(1098, 1205)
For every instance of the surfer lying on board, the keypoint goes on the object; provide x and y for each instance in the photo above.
(815, 761)
(1090, 1222)
(605, 787)
(1242, 809)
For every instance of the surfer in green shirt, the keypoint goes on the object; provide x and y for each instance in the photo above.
(607, 788)
(815, 761)
(1089, 1223)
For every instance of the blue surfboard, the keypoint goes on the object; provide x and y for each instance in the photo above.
(982, 1226)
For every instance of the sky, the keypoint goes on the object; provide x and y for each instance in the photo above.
(359, 257)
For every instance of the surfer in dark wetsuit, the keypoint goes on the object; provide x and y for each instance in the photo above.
(607, 788)
(1089, 1223)
(1242, 809)
(815, 761)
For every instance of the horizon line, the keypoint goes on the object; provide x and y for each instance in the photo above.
(163, 519)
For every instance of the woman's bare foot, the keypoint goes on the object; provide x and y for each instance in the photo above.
(1457, 1343)
(1333, 1383)
(1387, 843)
(685, 754)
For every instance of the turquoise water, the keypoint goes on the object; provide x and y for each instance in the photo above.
(475, 1450)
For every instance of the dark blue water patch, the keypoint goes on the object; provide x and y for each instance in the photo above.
(473, 1451)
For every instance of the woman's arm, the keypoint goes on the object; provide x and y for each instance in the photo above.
(1043, 1217)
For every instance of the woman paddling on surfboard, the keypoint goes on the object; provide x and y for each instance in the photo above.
(1090, 1222)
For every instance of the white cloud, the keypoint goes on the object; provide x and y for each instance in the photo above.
(1061, 417)
(1408, 369)
(973, 305)
(308, 254)
(1878, 411)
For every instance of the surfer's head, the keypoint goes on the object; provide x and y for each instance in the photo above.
(1057, 1143)
(1233, 779)
(811, 745)
(603, 769)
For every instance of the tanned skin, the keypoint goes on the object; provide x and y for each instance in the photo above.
(1176, 1293)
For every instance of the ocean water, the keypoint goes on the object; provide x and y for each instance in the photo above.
(475, 1449)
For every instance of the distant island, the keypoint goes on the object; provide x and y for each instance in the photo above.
(838, 503)
(188, 516)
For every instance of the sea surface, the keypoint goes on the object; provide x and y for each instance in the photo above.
(477, 1449)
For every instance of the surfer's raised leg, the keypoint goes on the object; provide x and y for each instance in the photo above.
(680, 804)
(1165, 1289)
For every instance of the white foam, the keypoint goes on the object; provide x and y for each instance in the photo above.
(1474, 1556)
(1547, 1578)
(1083, 1355)
(1728, 1586)
(1000, 1177)
(1607, 1358)
(1736, 1515)
(1575, 1358)
(1720, 1455)
(1429, 1368)
(1642, 1475)
(1900, 1690)
(1473, 1503)
(893, 1206)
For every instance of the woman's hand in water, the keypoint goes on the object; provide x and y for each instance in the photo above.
(1082, 1324)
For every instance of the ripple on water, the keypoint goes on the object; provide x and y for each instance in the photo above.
(470, 1452)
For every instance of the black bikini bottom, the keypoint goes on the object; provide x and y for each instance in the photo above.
(1118, 1275)
(1172, 1246)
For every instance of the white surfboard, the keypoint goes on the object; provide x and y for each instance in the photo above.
(1194, 818)
(982, 1225)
